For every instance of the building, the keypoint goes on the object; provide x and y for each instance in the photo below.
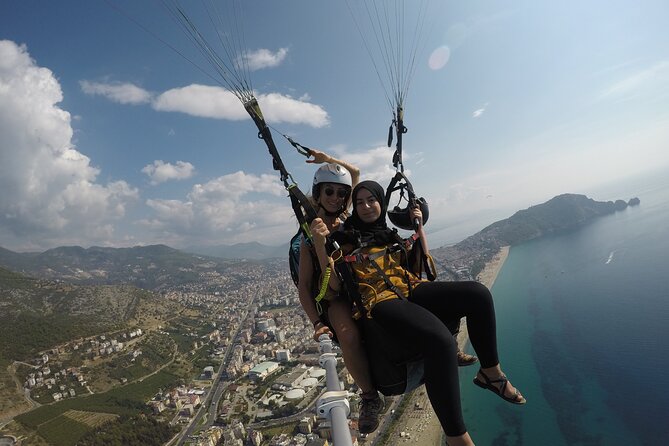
(292, 379)
(306, 425)
(262, 370)
(262, 324)
(283, 355)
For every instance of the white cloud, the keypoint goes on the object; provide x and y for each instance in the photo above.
(264, 58)
(374, 164)
(160, 171)
(478, 112)
(123, 93)
(280, 108)
(230, 208)
(219, 103)
(649, 81)
(49, 189)
(203, 101)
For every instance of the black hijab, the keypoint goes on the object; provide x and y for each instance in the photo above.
(376, 233)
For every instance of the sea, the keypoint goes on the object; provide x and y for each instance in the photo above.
(583, 332)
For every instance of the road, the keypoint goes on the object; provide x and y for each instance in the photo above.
(211, 399)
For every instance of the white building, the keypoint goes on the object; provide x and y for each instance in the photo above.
(262, 370)
(283, 355)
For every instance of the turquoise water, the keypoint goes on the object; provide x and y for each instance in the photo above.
(583, 323)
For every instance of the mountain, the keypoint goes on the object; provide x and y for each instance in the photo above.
(149, 267)
(37, 313)
(250, 251)
(561, 213)
(159, 267)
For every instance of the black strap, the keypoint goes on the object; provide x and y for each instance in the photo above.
(264, 133)
(302, 207)
(304, 150)
(387, 280)
(347, 277)
(401, 182)
(398, 123)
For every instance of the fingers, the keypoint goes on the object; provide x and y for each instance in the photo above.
(319, 228)
(321, 331)
(318, 157)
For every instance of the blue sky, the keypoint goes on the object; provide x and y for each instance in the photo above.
(108, 137)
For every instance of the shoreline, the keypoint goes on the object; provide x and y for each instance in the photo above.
(487, 277)
(422, 424)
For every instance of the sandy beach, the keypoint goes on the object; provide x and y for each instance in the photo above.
(418, 424)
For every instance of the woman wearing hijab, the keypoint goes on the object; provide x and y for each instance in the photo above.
(393, 293)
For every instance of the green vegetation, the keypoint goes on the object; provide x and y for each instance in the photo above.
(130, 431)
(156, 351)
(561, 213)
(287, 428)
(11, 279)
(125, 400)
(184, 342)
(285, 411)
(31, 333)
(62, 431)
(148, 267)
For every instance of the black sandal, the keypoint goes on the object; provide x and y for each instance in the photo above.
(499, 391)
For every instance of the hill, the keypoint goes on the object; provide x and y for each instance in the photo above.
(562, 213)
(250, 251)
(150, 267)
(159, 267)
(37, 314)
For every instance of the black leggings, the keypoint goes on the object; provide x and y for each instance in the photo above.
(422, 321)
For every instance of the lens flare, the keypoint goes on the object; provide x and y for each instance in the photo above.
(439, 58)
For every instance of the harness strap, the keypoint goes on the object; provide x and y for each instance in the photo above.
(360, 257)
(387, 280)
(253, 109)
(303, 150)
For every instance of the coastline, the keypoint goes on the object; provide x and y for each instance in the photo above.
(486, 277)
(422, 425)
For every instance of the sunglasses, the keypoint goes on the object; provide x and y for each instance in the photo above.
(341, 193)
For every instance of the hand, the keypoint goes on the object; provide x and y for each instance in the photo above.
(319, 157)
(416, 214)
(319, 230)
(321, 329)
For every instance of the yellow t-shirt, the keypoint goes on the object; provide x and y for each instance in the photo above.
(371, 283)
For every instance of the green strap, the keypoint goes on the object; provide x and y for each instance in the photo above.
(324, 285)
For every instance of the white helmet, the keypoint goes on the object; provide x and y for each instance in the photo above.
(330, 173)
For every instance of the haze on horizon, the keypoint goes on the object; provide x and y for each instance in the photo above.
(108, 138)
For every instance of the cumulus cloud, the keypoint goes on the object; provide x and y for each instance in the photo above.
(160, 171)
(50, 192)
(213, 102)
(282, 108)
(375, 163)
(264, 58)
(203, 101)
(219, 103)
(227, 208)
(123, 93)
